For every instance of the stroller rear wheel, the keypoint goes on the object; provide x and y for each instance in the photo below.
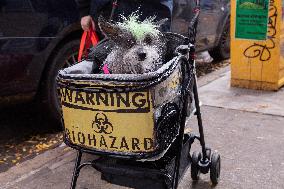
(195, 171)
(215, 168)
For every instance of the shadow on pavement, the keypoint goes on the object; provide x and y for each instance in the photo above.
(201, 184)
(24, 134)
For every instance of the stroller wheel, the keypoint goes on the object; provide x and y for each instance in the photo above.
(215, 168)
(195, 171)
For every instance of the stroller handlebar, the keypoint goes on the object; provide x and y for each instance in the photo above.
(192, 28)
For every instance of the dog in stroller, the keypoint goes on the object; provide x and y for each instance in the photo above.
(170, 156)
(133, 46)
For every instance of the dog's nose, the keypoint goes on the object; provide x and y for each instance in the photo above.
(141, 55)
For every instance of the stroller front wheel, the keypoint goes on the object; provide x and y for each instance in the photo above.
(195, 171)
(215, 168)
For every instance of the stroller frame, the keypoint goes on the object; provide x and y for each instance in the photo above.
(204, 164)
(200, 162)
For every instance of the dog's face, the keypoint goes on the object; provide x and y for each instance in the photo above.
(131, 55)
(145, 55)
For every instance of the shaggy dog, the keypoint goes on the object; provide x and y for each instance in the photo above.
(138, 46)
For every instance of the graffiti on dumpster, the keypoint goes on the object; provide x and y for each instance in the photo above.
(260, 50)
(282, 10)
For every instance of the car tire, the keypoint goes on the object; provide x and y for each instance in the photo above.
(49, 102)
(222, 51)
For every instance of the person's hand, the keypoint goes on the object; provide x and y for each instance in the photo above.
(87, 22)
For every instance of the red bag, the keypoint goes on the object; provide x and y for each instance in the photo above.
(88, 38)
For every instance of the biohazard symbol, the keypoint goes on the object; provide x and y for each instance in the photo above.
(101, 124)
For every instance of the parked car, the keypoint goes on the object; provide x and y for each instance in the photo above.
(39, 37)
(213, 32)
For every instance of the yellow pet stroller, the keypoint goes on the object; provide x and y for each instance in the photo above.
(136, 123)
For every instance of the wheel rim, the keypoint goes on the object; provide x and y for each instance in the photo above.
(71, 60)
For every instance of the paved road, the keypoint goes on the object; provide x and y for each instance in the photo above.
(249, 141)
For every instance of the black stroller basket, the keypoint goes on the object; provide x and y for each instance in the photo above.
(126, 116)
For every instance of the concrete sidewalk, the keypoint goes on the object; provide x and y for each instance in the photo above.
(245, 126)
